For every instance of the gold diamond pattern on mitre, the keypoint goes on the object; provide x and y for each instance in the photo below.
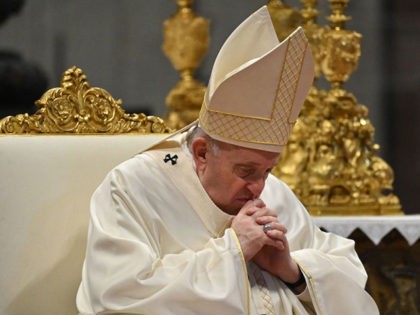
(275, 131)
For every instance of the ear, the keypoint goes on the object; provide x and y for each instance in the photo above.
(199, 149)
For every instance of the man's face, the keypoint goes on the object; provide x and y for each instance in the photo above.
(232, 175)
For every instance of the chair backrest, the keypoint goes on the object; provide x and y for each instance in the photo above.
(49, 169)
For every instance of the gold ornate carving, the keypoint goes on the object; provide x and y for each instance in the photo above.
(76, 107)
(285, 18)
(331, 161)
(186, 40)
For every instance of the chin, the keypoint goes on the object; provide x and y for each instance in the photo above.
(231, 209)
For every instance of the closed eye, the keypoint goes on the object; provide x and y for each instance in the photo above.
(243, 171)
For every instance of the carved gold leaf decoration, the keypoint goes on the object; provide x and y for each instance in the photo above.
(331, 160)
(76, 107)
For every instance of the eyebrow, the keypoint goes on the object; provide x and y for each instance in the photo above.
(249, 164)
(252, 165)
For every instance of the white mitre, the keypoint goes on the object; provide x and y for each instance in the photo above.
(257, 85)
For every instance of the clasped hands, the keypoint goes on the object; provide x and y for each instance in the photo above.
(268, 249)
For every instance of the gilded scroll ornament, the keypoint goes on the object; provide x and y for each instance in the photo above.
(186, 40)
(76, 107)
(331, 160)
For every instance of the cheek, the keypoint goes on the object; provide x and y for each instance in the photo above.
(221, 183)
(236, 186)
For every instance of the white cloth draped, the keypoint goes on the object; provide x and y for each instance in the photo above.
(374, 227)
(157, 244)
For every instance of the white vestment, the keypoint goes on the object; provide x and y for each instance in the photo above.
(158, 245)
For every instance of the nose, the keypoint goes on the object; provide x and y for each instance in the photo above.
(256, 187)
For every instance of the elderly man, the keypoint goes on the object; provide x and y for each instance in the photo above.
(197, 225)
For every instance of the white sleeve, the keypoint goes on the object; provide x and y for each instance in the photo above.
(335, 275)
(124, 270)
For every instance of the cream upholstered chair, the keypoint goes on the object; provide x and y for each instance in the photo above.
(50, 164)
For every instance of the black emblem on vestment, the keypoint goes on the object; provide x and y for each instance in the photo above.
(168, 158)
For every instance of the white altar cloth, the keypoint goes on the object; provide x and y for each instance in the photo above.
(375, 227)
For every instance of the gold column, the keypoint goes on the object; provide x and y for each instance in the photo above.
(331, 148)
(186, 40)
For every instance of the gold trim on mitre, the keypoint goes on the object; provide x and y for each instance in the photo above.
(257, 86)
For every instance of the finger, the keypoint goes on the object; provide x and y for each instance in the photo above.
(247, 208)
(277, 236)
(265, 219)
(252, 206)
(275, 243)
(259, 212)
(251, 211)
(274, 224)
